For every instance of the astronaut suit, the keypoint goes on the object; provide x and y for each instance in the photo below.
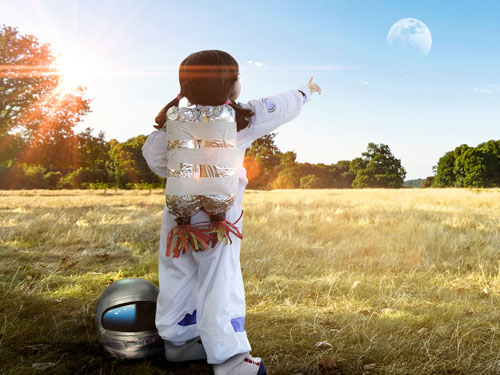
(201, 293)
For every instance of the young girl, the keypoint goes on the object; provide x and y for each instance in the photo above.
(201, 305)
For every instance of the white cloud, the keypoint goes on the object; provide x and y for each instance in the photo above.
(484, 91)
(361, 82)
(495, 87)
(255, 63)
(300, 67)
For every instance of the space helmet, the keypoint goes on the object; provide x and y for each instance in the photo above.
(125, 319)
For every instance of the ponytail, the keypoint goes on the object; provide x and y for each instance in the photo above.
(243, 115)
(161, 118)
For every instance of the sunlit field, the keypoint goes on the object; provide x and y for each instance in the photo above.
(337, 281)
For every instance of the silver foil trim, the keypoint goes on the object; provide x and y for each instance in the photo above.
(183, 205)
(202, 113)
(188, 205)
(200, 143)
(196, 170)
(217, 203)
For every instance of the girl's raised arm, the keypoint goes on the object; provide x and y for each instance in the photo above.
(273, 111)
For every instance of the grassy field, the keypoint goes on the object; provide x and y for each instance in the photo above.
(391, 281)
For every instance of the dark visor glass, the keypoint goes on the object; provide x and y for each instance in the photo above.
(134, 317)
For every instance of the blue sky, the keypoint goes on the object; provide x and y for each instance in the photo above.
(420, 106)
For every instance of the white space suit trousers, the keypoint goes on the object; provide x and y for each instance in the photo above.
(202, 294)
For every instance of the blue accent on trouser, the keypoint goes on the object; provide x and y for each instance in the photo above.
(238, 324)
(262, 368)
(188, 320)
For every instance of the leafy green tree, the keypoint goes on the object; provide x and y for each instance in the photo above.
(28, 176)
(289, 173)
(311, 181)
(444, 171)
(479, 166)
(320, 170)
(93, 151)
(127, 165)
(52, 179)
(491, 150)
(32, 107)
(26, 67)
(428, 182)
(50, 137)
(82, 176)
(377, 168)
(262, 160)
(341, 174)
(11, 146)
(458, 170)
(469, 166)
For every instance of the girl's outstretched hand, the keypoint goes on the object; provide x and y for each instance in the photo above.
(313, 86)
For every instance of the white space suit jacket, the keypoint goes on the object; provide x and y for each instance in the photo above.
(269, 114)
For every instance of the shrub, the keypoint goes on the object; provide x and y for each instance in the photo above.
(51, 180)
(311, 181)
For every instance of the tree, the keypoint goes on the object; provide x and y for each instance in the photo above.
(32, 107)
(444, 175)
(25, 75)
(428, 182)
(10, 147)
(311, 181)
(261, 161)
(93, 151)
(492, 151)
(127, 165)
(458, 171)
(320, 171)
(342, 175)
(49, 133)
(469, 166)
(377, 168)
(289, 174)
(479, 166)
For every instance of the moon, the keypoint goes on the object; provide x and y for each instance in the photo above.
(410, 34)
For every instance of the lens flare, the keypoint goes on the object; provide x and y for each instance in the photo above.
(74, 72)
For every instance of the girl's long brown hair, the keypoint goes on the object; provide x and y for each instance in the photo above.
(206, 78)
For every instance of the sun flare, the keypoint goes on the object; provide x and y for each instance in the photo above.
(74, 73)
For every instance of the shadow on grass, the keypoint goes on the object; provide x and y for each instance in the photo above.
(41, 330)
(89, 358)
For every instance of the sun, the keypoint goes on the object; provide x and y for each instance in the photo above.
(74, 72)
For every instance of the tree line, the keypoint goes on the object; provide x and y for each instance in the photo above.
(92, 162)
(96, 163)
(476, 167)
(269, 168)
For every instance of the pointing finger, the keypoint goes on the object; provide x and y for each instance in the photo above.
(310, 79)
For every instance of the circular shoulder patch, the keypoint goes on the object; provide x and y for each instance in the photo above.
(270, 106)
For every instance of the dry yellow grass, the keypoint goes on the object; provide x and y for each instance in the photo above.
(396, 281)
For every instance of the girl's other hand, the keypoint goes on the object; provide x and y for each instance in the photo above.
(161, 118)
(313, 86)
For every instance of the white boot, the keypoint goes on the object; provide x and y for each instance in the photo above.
(192, 350)
(241, 364)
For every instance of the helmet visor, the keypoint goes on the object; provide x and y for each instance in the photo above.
(133, 317)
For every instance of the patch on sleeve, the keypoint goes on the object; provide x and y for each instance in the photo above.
(238, 324)
(270, 106)
(188, 320)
